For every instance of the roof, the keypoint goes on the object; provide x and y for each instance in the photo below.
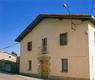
(40, 17)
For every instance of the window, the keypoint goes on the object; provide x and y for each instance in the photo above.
(64, 65)
(29, 46)
(29, 65)
(9, 56)
(63, 39)
(44, 44)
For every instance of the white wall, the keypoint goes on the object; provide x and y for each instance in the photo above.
(91, 30)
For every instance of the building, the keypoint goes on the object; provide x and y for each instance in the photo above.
(18, 59)
(8, 62)
(59, 46)
(7, 56)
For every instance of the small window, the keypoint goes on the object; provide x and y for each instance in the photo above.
(64, 65)
(29, 65)
(44, 44)
(29, 46)
(63, 39)
(9, 56)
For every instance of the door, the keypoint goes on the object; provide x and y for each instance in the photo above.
(44, 68)
(8, 67)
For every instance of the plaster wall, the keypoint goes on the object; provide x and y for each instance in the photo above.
(76, 50)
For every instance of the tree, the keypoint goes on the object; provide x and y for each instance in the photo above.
(13, 53)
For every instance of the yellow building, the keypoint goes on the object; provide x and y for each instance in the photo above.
(59, 46)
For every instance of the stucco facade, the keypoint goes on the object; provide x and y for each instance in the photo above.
(78, 51)
(7, 56)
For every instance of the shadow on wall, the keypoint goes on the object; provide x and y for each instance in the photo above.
(9, 66)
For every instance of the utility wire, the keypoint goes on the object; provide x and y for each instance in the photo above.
(9, 46)
(92, 6)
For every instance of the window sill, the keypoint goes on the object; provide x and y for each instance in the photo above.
(63, 45)
(64, 72)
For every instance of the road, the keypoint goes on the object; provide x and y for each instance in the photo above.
(8, 76)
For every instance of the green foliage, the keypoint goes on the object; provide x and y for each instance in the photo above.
(13, 53)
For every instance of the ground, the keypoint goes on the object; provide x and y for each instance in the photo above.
(8, 76)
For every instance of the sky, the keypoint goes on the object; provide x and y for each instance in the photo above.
(16, 15)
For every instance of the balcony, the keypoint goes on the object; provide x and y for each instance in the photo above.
(44, 51)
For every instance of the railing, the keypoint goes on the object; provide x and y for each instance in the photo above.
(44, 51)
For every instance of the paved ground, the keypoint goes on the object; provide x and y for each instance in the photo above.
(8, 76)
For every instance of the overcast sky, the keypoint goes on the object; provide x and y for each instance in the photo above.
(16, 15)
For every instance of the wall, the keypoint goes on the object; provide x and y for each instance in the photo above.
(91, 29)
(5, 56)
(76, 50)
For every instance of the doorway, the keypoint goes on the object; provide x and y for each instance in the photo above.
(44, 68)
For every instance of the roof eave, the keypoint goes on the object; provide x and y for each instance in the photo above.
(28, 29)
(59, 16)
